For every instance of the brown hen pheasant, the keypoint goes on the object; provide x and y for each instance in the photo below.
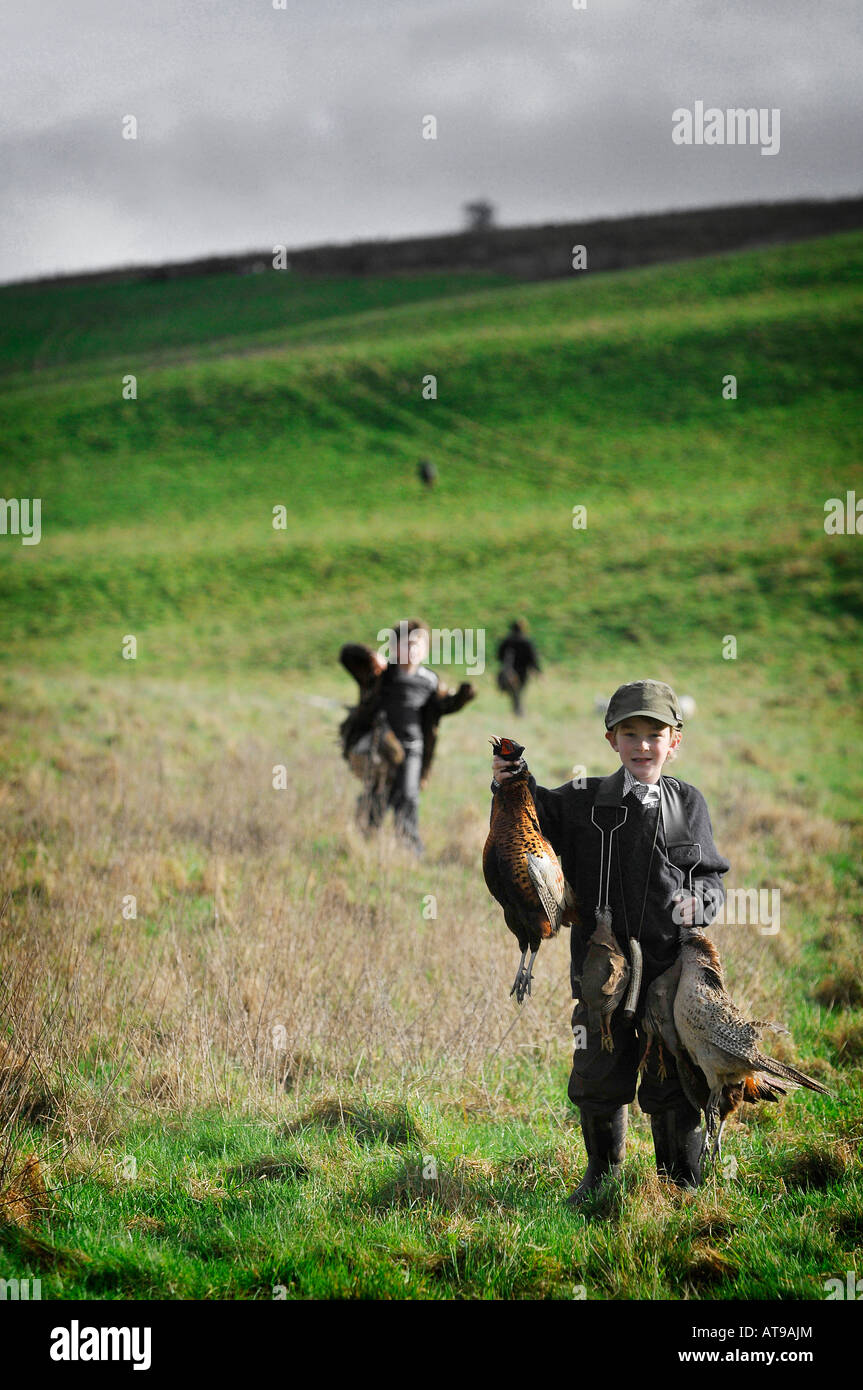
(661, 1031)
(722, 1043)
(522, 870)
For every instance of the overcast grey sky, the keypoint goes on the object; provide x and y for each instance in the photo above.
(258, 126)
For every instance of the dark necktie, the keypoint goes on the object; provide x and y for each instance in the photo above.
(640, 789)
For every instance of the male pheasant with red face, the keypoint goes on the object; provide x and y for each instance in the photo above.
(522, 870)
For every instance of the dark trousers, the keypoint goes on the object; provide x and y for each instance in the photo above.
(602, 1081)
(401, 791)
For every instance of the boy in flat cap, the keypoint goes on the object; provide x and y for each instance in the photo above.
(640, 845)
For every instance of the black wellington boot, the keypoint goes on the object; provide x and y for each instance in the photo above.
(677, 1145)
(605, 1142)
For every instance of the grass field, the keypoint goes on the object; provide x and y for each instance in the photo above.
(252, 1083)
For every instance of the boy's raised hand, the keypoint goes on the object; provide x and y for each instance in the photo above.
(502, 770)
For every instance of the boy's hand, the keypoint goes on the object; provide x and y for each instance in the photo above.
(685, 909)
(502, 770)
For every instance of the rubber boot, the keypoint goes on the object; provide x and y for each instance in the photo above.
(605, 1142)
(677, 1145)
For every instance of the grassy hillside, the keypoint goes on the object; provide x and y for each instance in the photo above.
(191, 1149)
(47, 326)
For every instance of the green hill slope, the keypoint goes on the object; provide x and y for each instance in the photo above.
(705, 513)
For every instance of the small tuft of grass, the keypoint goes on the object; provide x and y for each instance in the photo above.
(706, 1265)
(24, 1096)
(393, 1124)
(714, 1228)
(23, 1194)
(842, 988)
(849, 1229)
(465, 1186)
(817, 1165)
(846, 1038)
(150, 1225)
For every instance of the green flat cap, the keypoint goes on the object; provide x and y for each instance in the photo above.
(651, 699)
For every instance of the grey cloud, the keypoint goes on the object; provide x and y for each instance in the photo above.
(258, 125)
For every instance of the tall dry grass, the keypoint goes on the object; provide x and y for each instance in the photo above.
(276, 953)
(273, 945)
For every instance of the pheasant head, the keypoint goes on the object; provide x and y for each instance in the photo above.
(507, 748)
(511, 752)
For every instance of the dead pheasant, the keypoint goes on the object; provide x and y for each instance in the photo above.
(658, 1019)
(604, 978)
(659, 1027)
(522, 870)
(721, 1043)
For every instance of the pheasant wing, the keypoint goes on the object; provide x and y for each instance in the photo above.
(618, 979)
(727, 1028)
(547, 878)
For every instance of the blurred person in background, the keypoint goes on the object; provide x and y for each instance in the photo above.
(389, 738)
(517, 656)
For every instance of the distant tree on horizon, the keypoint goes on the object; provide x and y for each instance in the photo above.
(480, 215)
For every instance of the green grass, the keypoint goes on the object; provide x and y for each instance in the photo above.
(153, 776)
(224, 1209)
(46, 326)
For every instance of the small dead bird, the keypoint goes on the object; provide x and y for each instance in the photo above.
(604, 978)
